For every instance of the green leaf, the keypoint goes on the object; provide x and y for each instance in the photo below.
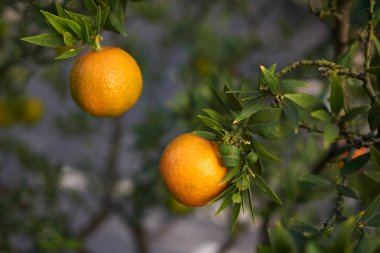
(374, 221)
(265, 188)
(235, 214)
(249, 109)
(78, 17)
(375, 157)
(98, 20)
(250, 203)
(231, 173)
(117, 17)
(271, 123)
(69, 39)
(331, 133)
(104, 15)
(346, 191)
(321, 115)
(305, 229)
(90, 5)
(211, 123)
(263, 151)
(86, 30)
(377, 44)
(317, 180)
(373, 70)
(374, 116)
(347, 58)
(47, 40)
(207, 135)
(354, 165)
(231, 100)
(281, 240)
(213, 115)
(306, 101)
(354, 113)
(69, 53)
(224, 204)
(225, 193)
(293, 83)
(341, 237)
(373, 174)
(271, 80)
(60, 11)
(62, 24)
(371, 209)
(230, 154)
(337, 95)
(291, 113)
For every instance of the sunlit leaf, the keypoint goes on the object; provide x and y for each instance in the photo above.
(46, 40)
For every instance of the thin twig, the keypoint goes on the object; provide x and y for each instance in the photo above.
(342, 27)
(332, 66)
(109, 181)
(367, 52)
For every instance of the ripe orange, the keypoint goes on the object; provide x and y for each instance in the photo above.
(106, 83)
(192, 170)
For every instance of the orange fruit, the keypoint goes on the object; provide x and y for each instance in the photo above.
(192, 170)
(359, 152)
(32, 111)
(106, 83)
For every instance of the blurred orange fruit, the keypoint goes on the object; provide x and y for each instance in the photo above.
(106, 83)
(32, 110)
(357, 152)
(192, 170)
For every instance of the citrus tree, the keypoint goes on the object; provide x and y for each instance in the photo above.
(263, 142)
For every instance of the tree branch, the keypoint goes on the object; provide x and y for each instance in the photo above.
(340, 70)
(367, 52)
(109, 181)
(342, 27)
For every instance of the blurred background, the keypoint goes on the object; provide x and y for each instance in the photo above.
(70, 182)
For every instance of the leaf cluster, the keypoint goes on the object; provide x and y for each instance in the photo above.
(72, 31)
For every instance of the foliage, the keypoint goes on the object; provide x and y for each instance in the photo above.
(288, 150)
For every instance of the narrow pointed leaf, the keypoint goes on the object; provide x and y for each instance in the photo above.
(266, 189)
(271, 80)
(47, 40)
(354, 113)
(354, 165)
(69, 53)
(263, 151)
(371, 209)
(375, 157)
(231, 173)
(331, 133)
(321, 115)
(373, 174)
(207, 135)
(232, 101)
(346, 191)
(317, 180)
(224, 204)
(306, 101)
(249, 109)
(347, 58)
(210, 123)
(235, 214)
(337, 95)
